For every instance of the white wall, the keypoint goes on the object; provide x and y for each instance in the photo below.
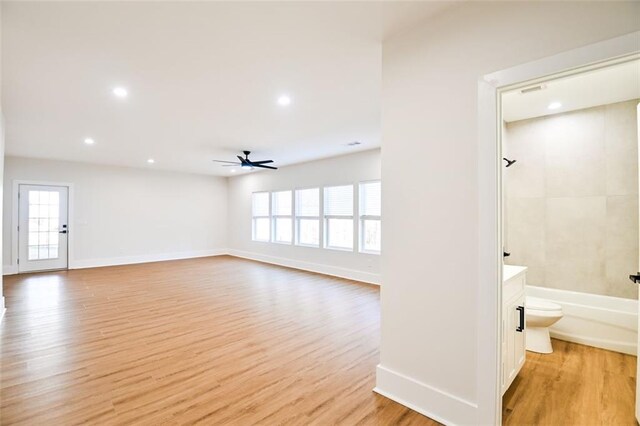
(349, 169)
(429, 356)
(125, 215)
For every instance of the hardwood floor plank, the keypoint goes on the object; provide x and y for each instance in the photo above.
(575, 385)
(203, 341)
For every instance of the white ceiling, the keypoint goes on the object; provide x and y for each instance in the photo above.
(203, 79)
(608, 85)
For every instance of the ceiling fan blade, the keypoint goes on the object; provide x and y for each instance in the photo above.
(231, 165)
(242, 160)
(264, 167)
(262, 162)
(221, 161)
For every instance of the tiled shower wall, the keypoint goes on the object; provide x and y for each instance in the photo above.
(571, 199)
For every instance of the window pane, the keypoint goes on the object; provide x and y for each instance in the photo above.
(33, 238)
(44, 197)
(282, 231)
(338, 201)
(33, 253)
(308, 202)
(309, 232)
(43, 252)
(371, 235)
(34, 197)
(261, 229)
(53, 252)
(340, 233)
(53, 238)
(370, 199)
(281, 203)
(34, 210)
(260, 201)
(43, 239)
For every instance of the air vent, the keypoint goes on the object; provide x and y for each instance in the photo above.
(354, 143)
(533, 88)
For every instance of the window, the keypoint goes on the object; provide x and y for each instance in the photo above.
(260, 212)
(44, 225)
(370, 217)
(281, 215)
(308, 217)
(338, 217)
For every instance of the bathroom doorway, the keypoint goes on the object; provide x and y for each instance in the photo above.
(570, 235)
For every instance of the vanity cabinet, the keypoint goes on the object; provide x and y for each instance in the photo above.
(513, 326)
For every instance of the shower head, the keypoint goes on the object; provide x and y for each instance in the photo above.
(509, 162)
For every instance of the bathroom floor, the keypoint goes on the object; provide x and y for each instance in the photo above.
(575, 385)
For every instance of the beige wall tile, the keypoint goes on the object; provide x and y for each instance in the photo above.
(575, 249)
(527, 236)
(525, 144)
(621, 245)
(574, 154)
(621, 140)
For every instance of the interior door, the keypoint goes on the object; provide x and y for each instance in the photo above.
(43, 228)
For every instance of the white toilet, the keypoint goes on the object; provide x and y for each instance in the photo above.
(541, 314)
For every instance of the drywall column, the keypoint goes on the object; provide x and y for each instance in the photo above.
(430, 301)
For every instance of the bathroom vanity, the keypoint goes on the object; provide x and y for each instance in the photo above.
(513, 323)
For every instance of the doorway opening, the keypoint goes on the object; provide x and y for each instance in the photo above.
(43, 230)
(570, 236)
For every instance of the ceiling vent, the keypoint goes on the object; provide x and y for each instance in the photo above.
(354, 143)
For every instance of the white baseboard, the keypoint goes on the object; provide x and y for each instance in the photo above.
(590, 319)
(350, 274)
(147, 258)
(425, 399)
(130, 260)
(2, 308)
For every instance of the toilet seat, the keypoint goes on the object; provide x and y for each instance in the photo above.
(533, 303)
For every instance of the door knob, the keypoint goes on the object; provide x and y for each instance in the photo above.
(635, 278)
(64, 231)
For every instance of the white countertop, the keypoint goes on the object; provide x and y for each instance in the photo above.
(512, 271)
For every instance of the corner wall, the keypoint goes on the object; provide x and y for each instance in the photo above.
(123, 215)
(348, 169)
(430, 302)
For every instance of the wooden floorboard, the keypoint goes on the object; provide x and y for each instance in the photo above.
(211, 341)
(575, 385)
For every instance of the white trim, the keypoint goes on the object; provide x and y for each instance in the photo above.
(3, 310)
(15, 220)
(350, 274)
(490, 203)
(447, 409)
(146, 258)
(9, 269)
(595, 320)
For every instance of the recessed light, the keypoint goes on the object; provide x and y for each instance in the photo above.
(284, 100)
(151, 161)
(89, 141)
(120, 92)
(554, 105)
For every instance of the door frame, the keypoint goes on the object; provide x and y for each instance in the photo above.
(15, 221)
(490, 169)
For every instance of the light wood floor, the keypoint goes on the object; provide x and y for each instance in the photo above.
(575, 385)
(211, 341)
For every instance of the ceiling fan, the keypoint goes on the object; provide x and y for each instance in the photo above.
(245, 163)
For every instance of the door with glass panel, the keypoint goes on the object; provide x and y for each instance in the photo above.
(43, 230)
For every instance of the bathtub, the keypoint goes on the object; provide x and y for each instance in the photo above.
(590, 319)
